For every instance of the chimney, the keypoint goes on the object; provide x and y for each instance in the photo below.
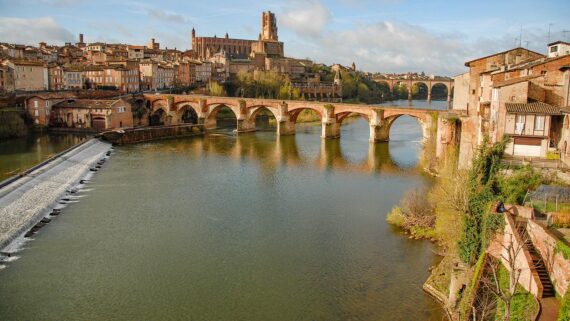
(81, 38)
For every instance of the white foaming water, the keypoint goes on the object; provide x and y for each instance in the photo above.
(26, 199)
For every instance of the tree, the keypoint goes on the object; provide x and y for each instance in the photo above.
(216, 89)
(505, 289)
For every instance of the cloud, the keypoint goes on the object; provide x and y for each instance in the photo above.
(165, 16)
(306, 18)
(390, 47)
(33, 31)
(387, 46)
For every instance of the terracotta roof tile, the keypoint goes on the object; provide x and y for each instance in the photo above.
(539, 108)
(86, 103)
(513, 81)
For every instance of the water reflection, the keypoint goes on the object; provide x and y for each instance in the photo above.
(17, 155)
(272, 152)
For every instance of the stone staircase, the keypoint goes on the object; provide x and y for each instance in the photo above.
(537, 261)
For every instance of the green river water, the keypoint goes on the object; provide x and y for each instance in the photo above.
(255, 227)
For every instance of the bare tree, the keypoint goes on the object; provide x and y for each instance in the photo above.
(511, 250)
(484, 305)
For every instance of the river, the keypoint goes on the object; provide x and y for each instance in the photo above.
(19, 154)
(255, 227)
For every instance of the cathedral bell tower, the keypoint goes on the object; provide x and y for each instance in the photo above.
(269, 26)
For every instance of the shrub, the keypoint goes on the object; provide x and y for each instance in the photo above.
(514, 187)
(395, 217)
(564, 314)
(415, 214)
(561, 247)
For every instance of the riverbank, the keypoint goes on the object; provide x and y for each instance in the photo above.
(25, 200)
(13, 123)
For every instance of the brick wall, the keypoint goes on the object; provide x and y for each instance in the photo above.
(558, 267)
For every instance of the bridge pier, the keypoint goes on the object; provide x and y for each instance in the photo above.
(379, 127)
(285, 127)
(284, 124)
(209, 123)
(330, 130)
(379, 133)
(245, 126)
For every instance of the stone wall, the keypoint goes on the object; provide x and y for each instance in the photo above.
(137, 135)
(558, 267)
(510, 239)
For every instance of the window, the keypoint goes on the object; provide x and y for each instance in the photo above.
(554, 49)
(519, 124)
(47, 103)
(539, 122)
(35, 104)
(121, 109)
(495, 94)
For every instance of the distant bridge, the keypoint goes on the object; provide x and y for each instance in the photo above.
(172, 110)
(429, 83)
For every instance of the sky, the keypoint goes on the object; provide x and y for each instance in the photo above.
(389, 36)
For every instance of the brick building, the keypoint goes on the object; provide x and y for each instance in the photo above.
(518, 93)
(97, 115)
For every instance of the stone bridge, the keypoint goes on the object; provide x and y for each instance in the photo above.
(429, 83)
(171, 110)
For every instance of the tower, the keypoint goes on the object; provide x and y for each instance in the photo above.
(193, 33)
(269, 26)
(337, 79)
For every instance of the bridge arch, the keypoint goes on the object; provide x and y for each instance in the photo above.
(255, 111)
(389, 121)
(187, 112)
(441, 92)
(295, 113)
(214, 109)
(159, 117)
(159, 103)
(420, 90)
(340, 117)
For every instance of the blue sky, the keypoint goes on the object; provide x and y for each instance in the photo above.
(382, 35)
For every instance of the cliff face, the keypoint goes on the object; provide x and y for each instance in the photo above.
(12, 123)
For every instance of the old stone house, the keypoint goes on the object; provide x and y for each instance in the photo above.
(90, 114)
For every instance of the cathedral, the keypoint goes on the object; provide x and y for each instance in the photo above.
(267, 45)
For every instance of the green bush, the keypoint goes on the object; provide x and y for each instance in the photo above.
(513, 188)
(395, 217)
(482, 189)
(564, 314)
(561, 247)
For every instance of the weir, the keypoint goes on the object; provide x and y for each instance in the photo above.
(25, 200)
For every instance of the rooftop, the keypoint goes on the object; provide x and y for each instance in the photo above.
(538, 108)
(513, 81)
(501, 53)
(86, 103)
